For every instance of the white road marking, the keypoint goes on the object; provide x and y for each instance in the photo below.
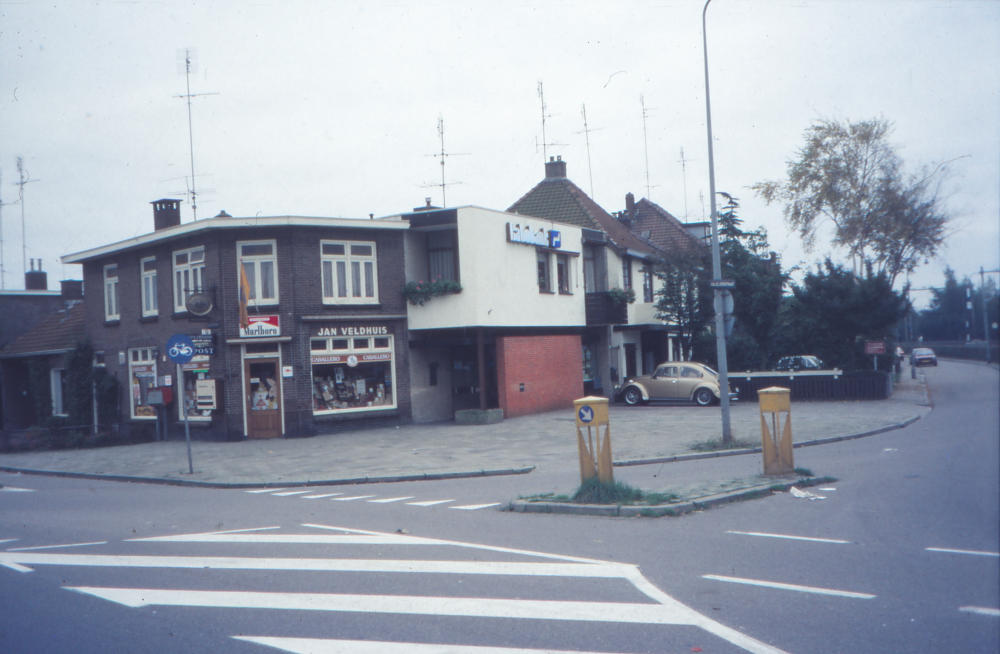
(432, 503)
(801, 589)
(320, 646)
(316, 497)
(526, 569)
(473, 507)
(974, 552)
(348, 499)
(50, 547)
(11, 489)
(981, 610)
(298, 492)
(8, 540)
(817, 540)
(267, 490)
(386, 539)
(392, 499)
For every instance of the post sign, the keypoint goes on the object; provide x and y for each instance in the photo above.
(874, 347)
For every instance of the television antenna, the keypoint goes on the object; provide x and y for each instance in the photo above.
(545, 144)
(23, 178)
(683, 163)
(190, 57)
(586, 132)
(645, 142)
(444, 155)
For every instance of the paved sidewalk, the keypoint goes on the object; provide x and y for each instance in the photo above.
(547, 442)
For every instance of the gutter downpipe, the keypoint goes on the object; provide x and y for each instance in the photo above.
(720, 327)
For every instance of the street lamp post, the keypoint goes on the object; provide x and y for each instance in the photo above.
(720, 327)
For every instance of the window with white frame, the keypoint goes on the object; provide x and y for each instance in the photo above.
(58, 380)
(148, 266)
(260, 261)
(647, 285)
(189, 273)
(111, 310)
(142, 377)
(350, 273)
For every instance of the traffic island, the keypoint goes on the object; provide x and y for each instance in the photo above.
(621, 500)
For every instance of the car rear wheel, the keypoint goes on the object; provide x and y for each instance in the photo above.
(632, 396)
(703, 397)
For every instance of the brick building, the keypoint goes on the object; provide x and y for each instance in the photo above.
(324, 346)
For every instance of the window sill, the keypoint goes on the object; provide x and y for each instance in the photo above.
(112, 323)
(544, 292)
(152, 318)
(565, 293)
(327, 304)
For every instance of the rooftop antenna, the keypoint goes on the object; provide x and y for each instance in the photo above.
(586, 132)
(545, 144)
(2, 271)
(701, 198)
(645, 141)
(190, 62)
(24, 178)
(443, 155)
(684, 175)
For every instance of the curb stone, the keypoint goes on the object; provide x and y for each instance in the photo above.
(658, 510)
(270, 484)
(757, 450)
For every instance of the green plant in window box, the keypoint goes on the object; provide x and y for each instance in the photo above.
(419, 292)
(620, 296)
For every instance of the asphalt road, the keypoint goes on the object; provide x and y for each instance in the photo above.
(108, 567)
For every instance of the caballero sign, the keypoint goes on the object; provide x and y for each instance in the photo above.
(261, 326)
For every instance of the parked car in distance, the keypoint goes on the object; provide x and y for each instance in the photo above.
(923, 356)
(682, 381)
(797, 363)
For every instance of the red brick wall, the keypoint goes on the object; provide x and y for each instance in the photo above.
(550, 367)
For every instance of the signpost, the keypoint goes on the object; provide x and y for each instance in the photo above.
(180, 350)
(875, 348)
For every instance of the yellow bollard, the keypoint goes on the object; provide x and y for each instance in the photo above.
(777, 453)
(595, 458)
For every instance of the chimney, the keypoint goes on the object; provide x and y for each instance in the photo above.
(427, 207)
(166, 213)
(626, 217)
(555, 167)
(72, 289)
(36, 280)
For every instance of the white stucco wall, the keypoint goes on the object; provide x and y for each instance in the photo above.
(499, 278)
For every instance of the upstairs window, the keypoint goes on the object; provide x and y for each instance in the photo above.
(149, 307)
(350, 273)
(259, 260)
(189, 273)
(111, 310)
(626, 273)
(647, 285)
(562, 273)
(544, 281)
(441, 256)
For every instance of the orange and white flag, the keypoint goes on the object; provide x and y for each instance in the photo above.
(244, 297)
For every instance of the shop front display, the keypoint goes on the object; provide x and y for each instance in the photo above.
(142, 375)
(350, 372)
(190, 374)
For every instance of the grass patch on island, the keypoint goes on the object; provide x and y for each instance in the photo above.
(717, 445)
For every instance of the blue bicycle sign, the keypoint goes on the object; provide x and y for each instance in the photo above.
(180, 349)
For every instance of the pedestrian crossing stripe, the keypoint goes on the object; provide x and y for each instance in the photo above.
(473, 507)
(431, 503)
(321, 646)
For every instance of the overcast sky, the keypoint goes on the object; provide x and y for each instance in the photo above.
(332, 108)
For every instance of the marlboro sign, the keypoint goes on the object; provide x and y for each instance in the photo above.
(261, 326)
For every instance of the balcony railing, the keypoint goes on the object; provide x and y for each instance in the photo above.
(601, 310)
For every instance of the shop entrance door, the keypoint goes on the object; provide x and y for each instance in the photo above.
(263, 398)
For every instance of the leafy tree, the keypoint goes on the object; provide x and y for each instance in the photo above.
(834, 311)
(849, 173)
(684, 299)
(757, 296)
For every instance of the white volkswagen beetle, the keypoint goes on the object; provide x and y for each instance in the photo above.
(677, 380)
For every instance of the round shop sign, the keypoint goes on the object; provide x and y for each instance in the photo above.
(586, 414)
(352, 361)
(199, 304)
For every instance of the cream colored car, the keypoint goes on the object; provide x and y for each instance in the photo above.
(682, 381)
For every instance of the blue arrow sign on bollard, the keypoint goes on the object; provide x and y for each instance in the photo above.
(180, 349)
(586, 414)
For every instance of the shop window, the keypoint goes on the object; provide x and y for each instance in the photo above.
(189, 274)
(188, 375)
(352, 375)
(562, 273)
(111, 310)
(349, 272)
(142, 376)
(647, 285)
(259, 261)
(544, 284)
(149, 307)
(58, 381)
(442, 256)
